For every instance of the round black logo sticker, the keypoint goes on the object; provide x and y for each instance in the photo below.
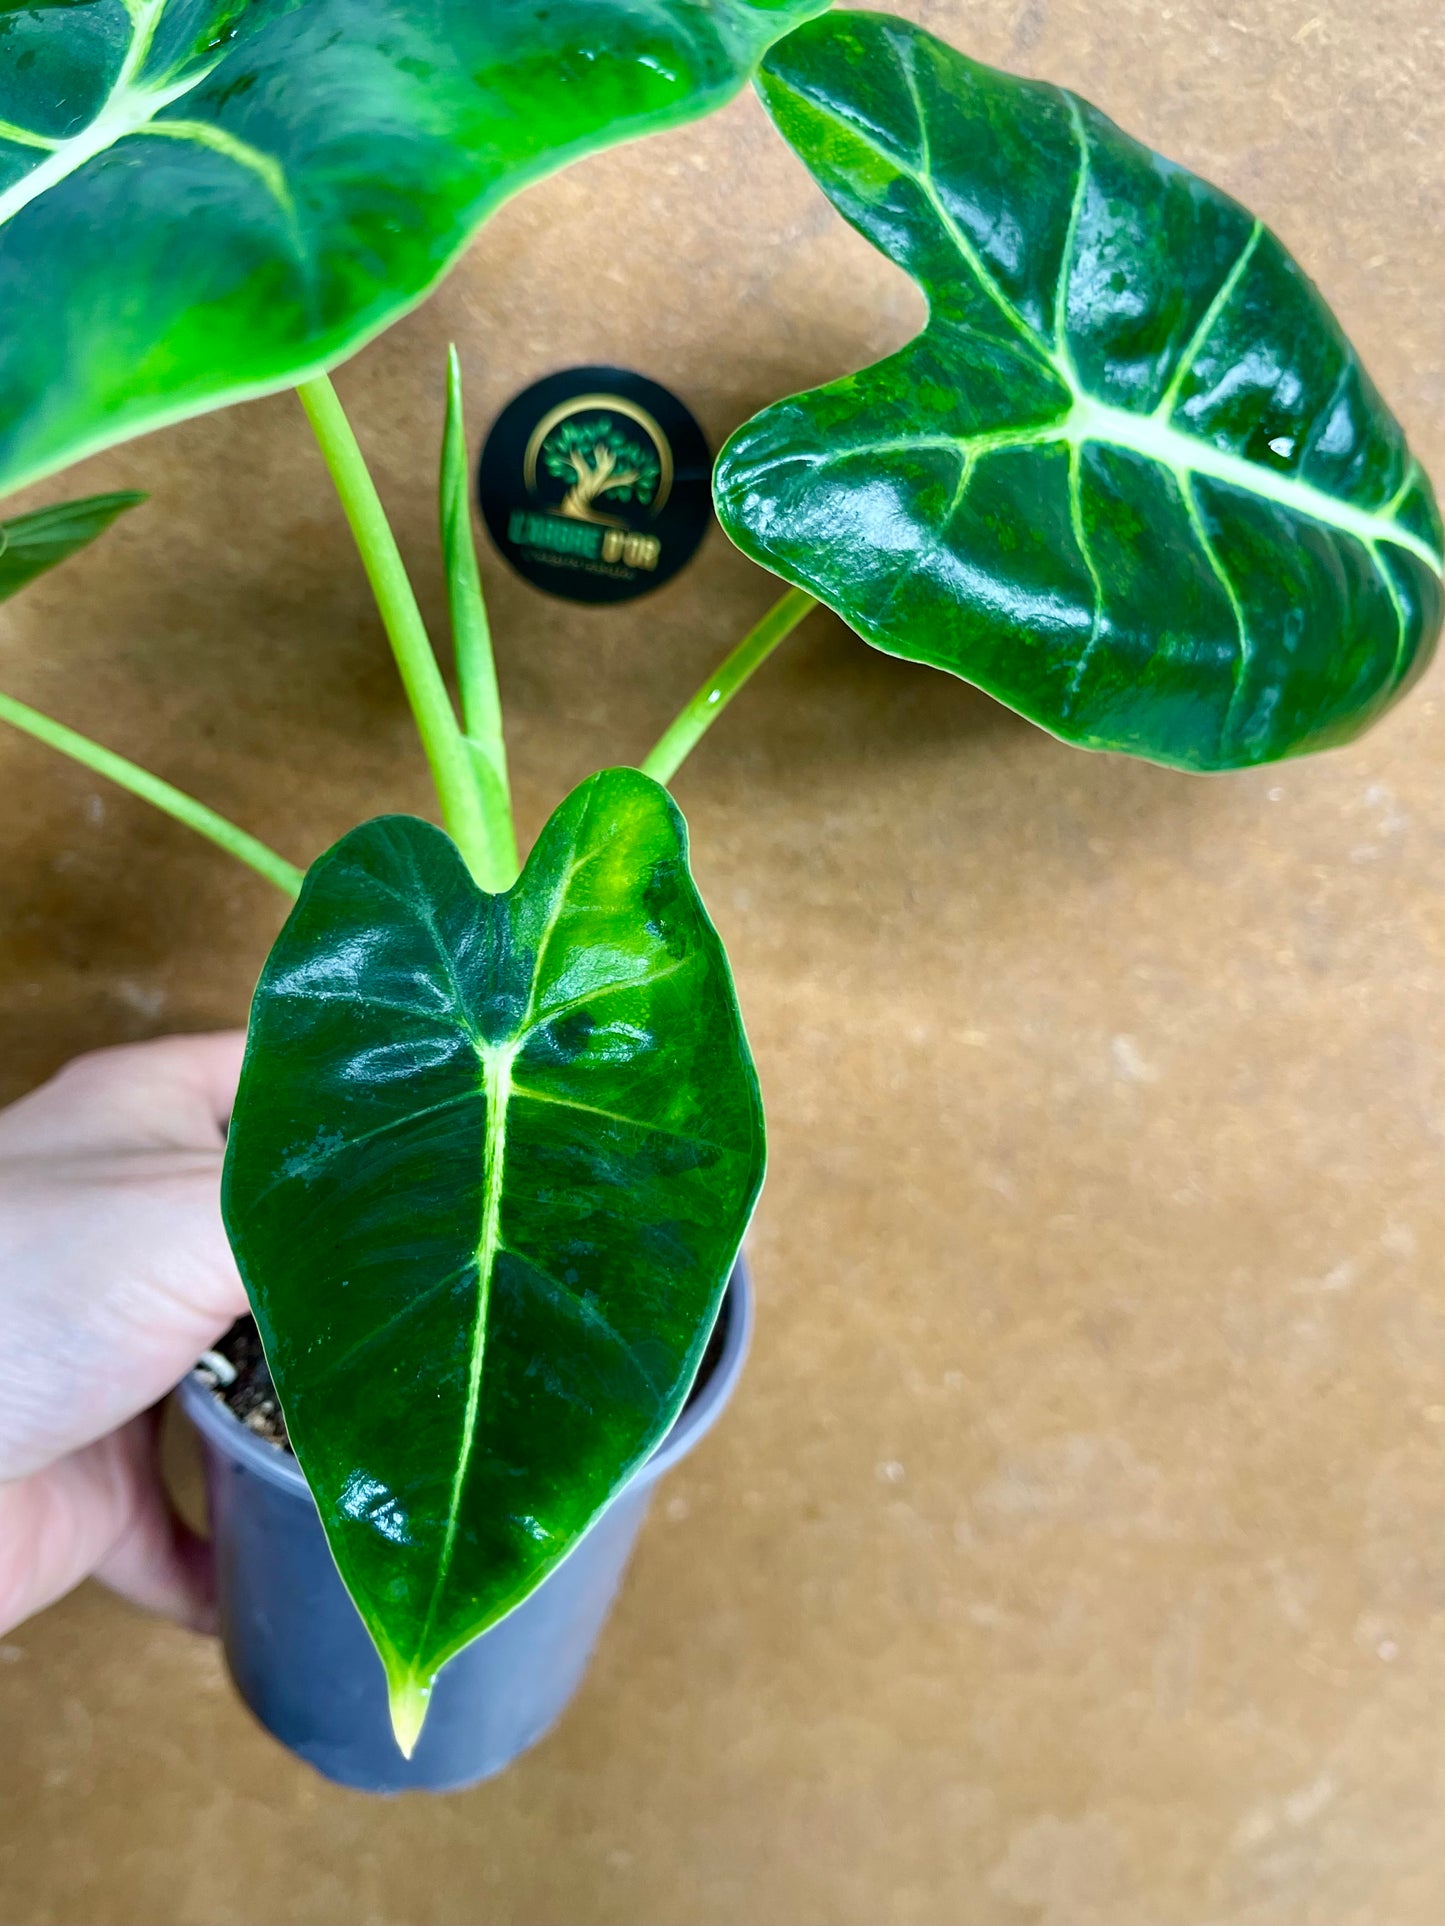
(595, 484)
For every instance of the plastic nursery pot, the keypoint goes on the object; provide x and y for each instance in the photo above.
(302, 1660)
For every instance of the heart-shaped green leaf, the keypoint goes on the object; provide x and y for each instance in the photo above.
(1131, 478)
(217, 197)
(490, 1163)
(30, 544)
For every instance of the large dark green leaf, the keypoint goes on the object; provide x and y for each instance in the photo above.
(30, 544)
(1131, 478)
(490, 1162)
(203, 199)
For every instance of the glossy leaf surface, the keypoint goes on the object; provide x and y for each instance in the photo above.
(1131, 478)
(220, 196)
(30, 544)
(490, 1163)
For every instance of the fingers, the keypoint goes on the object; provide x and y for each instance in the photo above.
(169, 1093)
(101, 1511)
(201, 1072)
(115, 1269)
(111, 1285)
(158, 1562)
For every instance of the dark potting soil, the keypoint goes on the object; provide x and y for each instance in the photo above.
(237, 1373)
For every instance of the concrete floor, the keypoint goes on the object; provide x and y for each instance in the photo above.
(1071, 1552)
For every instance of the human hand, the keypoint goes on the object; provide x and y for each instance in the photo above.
(115, 1275)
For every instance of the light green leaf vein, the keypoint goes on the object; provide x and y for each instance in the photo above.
(26, 137)
(203, 133)
(521, 1091)
(1226, 582)
(1223, 295)
(1402, 646)
(588, 1311)
(922, 178)
(1076, 514)
(1062, 347)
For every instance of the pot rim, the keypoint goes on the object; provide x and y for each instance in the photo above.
(223, 1429)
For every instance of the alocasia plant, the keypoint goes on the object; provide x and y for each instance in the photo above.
(1131, 478)
(498, 1135)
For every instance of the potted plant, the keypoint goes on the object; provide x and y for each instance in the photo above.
(498, 1133)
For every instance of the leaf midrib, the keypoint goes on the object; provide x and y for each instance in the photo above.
(1092, 421)
(495, 1061)
(1187, 455)
(1097, 422)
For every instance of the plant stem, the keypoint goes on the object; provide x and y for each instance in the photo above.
(140, 782)
(431, 706)
(472, 637)
(681, 737)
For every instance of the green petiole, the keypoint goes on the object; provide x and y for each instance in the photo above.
(468, 761)
(174, 802)
(682, 736)
(472, 636)
(436, 720)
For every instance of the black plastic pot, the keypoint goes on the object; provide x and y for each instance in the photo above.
(301, 1657)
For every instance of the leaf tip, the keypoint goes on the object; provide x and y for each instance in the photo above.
(409, 1698)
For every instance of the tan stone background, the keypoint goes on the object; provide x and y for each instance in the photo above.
(1070, 1554)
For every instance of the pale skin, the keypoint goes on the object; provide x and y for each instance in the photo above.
(115, 1275)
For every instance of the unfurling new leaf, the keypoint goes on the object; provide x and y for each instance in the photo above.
(490, 1163)
(1131, 478)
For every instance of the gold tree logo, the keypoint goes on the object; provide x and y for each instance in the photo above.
(604, 464)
